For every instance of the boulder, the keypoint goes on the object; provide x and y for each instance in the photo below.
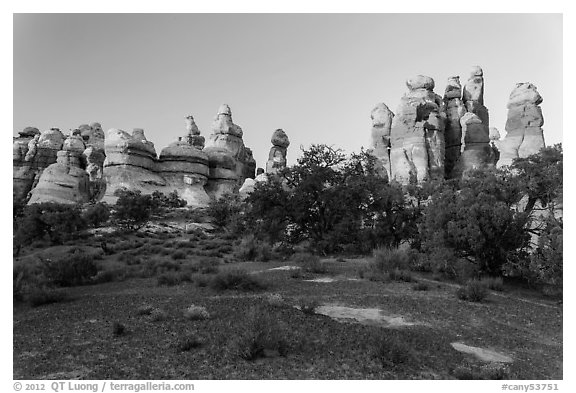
(524, 134)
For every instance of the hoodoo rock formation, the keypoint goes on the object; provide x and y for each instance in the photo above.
(417, 141)
(380, 138)
(475, 150)
(130, 163)
(185, 169)
(65, 181)
(429, 137)
(230, 162)
(278, 151)
(33, 152)
(524, 135)
(455, 109)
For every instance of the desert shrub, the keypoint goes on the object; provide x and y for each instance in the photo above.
(275, 300)
(176, 255)
(208, 266)
(252, 249)
(309, 306)
(386, 259)
(170, 201)
(201, 281)
(260, 332)
(421, 286)
(184, 276)
(236, 279)
(196, 313)
(157, 314)
(400, 275)
(145, 309)
(118, 329)
(473, 291)
(25, 279)
(56, 221)
(225, 211)
(189, 342)
(310, 263)
(97, 214)
(493, 283)
(168, 279)
(71, 270)
(109, 275)
(478, 219)
(481, 372)
(42, 295)
(132, 210)
(391, 351)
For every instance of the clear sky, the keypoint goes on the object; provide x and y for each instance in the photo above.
(317, 76)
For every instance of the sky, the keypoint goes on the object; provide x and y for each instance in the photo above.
(317, 76)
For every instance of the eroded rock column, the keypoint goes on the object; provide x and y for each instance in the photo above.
(524, 124)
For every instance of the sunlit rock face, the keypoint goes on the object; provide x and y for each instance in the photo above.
(475, 149)
(524, 134)
(130, 163)
(417, 142)
(185, 169)
(381, 117)
(32, 153)
(65, 181)
(278, 152)
(230, 162)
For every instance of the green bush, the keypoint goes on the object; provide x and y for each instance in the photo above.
(400, 275)
(309, 306)
(260, 333)
(421, 286)
(236, 280)
(118, 329)
(176, 255)
(76, 269)
(493, 283)
(97, 214)
(168, 279)
(43, 295)
(191, 341)
(310, 263)
(252, 249)
(473, 291)
(481, 372)
(385, 259)
(391, 351)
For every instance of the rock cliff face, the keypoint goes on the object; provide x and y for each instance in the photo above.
(278, 152)
(524, 124)
(417, 142)
(33, 152)
(65, 181)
